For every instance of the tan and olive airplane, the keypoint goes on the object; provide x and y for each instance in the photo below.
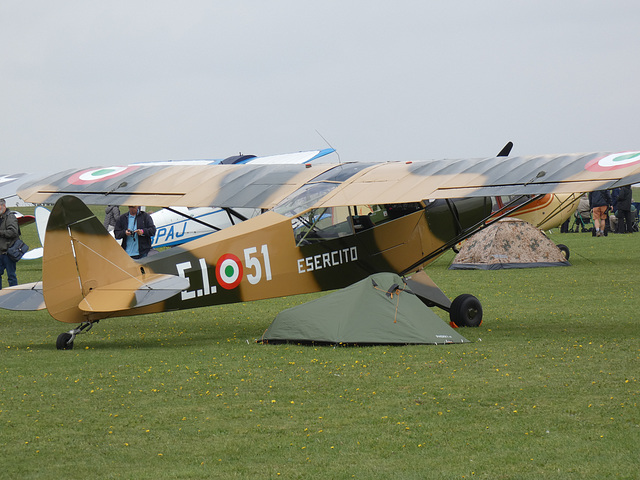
(324, 227)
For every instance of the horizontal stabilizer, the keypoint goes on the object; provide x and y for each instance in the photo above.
(133, 292)
(33, 254)
(27, 296)
(160, 288)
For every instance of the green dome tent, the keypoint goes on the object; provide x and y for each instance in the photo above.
(377, 310)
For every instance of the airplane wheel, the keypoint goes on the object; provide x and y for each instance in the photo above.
(63, 343)
(466, 311)
(565, 250)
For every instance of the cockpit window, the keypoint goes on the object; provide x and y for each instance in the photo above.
(320, 224)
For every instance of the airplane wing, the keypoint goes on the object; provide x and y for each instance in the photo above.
(263, 186)
(529, 175)
(250, 186)
(9, 184)
(174, 179)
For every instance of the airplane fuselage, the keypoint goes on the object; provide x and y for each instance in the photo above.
(268, 257)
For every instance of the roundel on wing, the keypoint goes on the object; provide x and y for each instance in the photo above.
(229, 271)
(93, 175)
(613, 161)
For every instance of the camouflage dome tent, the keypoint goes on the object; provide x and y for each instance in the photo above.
(377, 310)
(509, 243)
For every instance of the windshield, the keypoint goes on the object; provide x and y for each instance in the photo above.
(308, 195)
(303, 198)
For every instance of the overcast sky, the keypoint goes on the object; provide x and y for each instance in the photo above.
(88, 83)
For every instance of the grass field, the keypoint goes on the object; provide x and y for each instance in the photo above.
(549, 388)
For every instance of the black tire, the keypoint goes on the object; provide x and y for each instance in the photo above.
(466, 311)
(565, 250)
(63, 343)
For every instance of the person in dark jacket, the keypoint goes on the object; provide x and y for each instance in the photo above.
(614, 198)
(599, 201)
(111, 215)
(135, 229)
(623, 214)
(9, 233)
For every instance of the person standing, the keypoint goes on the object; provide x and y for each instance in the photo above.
(111, 215)
(583, 213)
(623, 214)
(599, 201)
(9, 233)
(135, 229)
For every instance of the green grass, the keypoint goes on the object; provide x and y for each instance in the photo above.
(548, 389)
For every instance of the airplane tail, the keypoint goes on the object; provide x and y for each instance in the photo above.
(86, 275)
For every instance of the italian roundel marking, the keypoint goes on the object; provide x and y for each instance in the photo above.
(613, 161)
(98, 174)
(229, 271)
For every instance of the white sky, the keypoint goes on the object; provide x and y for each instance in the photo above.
(90, 83)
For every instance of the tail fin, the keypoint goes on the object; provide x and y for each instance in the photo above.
(85, 271)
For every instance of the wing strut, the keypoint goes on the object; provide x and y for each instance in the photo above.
(230, 212)
(454, 211)
(197, 220)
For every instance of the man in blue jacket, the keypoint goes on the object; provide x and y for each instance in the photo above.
(135, 229)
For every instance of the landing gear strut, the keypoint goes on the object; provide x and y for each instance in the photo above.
(65, 340)
(464, 311)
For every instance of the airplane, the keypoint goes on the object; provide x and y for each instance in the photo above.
(545, 213)
(310, 237)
